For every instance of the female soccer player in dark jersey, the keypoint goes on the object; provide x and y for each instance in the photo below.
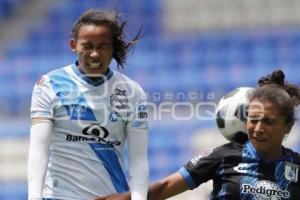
(262, 168)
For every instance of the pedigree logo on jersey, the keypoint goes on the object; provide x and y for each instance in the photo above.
(93, 133)
(204, 154)
(119, 99)
(265, 190)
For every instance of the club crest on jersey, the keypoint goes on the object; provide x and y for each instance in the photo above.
(119, 99)
(291, 172)
(113, 116)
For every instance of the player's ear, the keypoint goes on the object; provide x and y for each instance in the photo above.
(73, 45)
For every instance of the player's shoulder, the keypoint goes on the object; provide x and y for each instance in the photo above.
(127, 82)
(295, 155)
(231, 146)
(45, 78)
(59, 71)
(219, 152)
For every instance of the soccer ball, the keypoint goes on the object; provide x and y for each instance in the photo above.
(231, 114)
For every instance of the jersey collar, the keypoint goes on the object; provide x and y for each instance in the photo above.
(108, 74)
(254, 153)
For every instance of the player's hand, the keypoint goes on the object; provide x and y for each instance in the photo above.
(116, 196)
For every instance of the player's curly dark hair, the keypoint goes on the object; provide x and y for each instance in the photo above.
(121, 46)
(274, 88)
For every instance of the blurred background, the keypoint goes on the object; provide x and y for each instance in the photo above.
(193, 51)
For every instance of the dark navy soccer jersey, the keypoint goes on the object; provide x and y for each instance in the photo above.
(238, 172)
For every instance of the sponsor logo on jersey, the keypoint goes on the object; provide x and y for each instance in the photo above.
(70, 95)
(76, 111)
(265, 190)
(137, 124)
(119, 99)
(291, 171)
(242, 168)
(142, 112)
(94, 133)
(204, 154)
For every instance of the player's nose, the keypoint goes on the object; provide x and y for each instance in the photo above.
(258, 128)
(95, 54)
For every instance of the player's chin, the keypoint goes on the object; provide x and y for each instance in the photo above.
(258, 143)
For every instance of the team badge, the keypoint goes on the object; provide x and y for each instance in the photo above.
(291, 171)
(113, 116)
(119, 99)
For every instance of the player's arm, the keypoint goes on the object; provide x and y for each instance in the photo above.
(138, 163)
(40, 136)
(137, 138)
(41, 112)
(168, 187)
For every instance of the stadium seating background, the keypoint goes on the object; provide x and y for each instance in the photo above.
(181, 62)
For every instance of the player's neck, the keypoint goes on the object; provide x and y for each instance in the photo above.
(273, 155)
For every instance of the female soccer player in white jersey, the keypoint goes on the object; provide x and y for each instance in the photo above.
(82, 115)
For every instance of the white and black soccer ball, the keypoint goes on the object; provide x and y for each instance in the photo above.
(231, 114)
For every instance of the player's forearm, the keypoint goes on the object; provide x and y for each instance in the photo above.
(168, 187)
(158, 191)
(139, 173)
(138, 163)
(139, 181)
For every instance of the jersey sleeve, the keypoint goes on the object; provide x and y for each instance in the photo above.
(202, 167)
(137, 128)
(138, 115)
(42, 100)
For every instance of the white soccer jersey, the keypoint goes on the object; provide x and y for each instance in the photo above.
(91, 121)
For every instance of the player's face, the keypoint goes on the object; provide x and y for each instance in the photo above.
(266, 129)
(94, 47)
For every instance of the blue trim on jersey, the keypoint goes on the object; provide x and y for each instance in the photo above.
(187, 178)
(111, 163)
(222, 192)
(70, 96)
(249, 155)
(251, 150)
(281, 181)
(80, 74)
(49, 199)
